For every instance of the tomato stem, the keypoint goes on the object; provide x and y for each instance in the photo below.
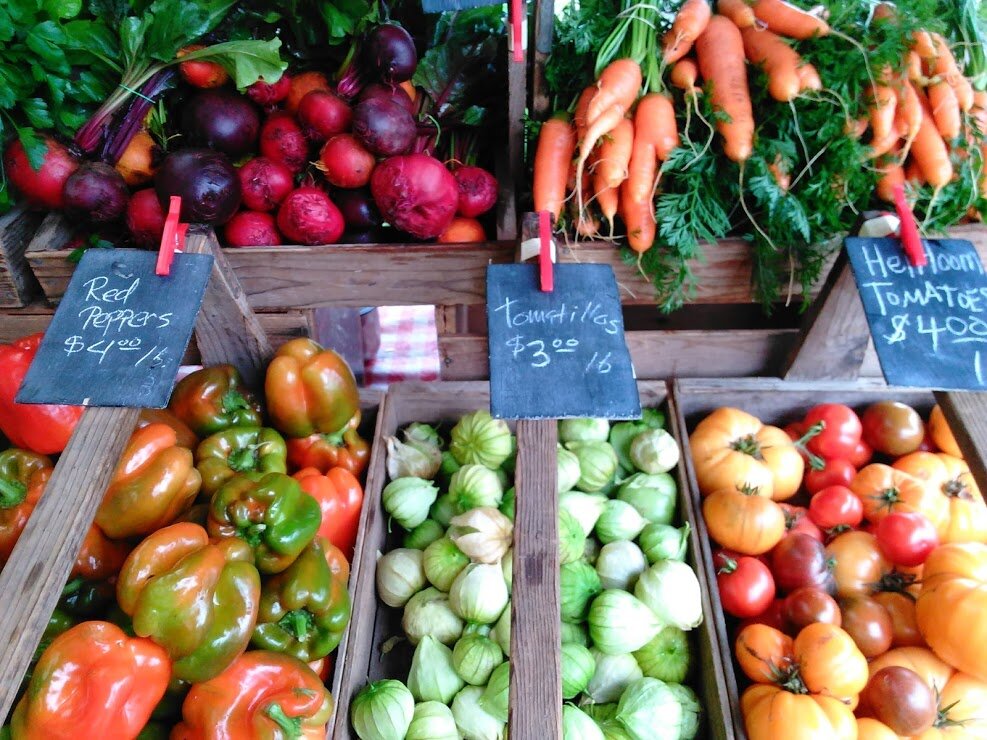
(815, 462)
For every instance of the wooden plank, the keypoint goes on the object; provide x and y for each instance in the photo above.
(40, 563)
(511, 181)
(17, 283)
(47, 256)
(655, 354)
(835, 335)
(544, 27)
(227, 331)
(340, 329)
(536, 671)
(966, 414)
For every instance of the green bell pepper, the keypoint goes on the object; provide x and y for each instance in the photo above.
(245, 451)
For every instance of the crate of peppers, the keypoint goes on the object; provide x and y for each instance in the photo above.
(212, 586)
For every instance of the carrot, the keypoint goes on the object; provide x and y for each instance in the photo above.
(684, 76)
(639, 218)
(655, 120)
(779, 171)
(780, 61)
(883, 145)
(913, 63)
(908, 114)
(788, 20)
(606, 198)
(556, 146)
(979, 111)
(945, 109)
(891, 174)
(619, 84)
(720, 52)
(598, 128)
(930, 154)
(642, 171)
(882, 110)
(579, 115)
(690, 21)
(615, 153)
(738, 11)
(945, 67)
(913, 173)
(856, 129)
(809, 78)
(922, 45)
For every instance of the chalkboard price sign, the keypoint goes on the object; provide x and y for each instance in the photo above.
(560, 354)
(120, 331)
(929, 324)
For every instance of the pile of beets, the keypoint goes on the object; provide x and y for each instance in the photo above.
(298, 161)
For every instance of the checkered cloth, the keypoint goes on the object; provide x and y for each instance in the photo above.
(408, 349)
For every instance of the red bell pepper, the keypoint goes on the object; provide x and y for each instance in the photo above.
(340, 497)
(42, 428)
(346, 449)
(92, 681)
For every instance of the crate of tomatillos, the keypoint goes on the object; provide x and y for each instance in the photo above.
(430, 657)
(844, 539)
(215, 575)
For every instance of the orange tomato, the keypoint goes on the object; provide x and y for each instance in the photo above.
(745, 521)
(763, 652)
(859, 563)
(771, 712)
(462, 230)
(884, 490)
(870, 729)
(961, 710)
(904, 626)
(733, 449)
(941, 434)
(829, 661)
(967, 520)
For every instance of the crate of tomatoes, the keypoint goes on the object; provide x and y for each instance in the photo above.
(846, 539)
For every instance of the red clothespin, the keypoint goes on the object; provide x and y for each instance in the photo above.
(517, 29)
(545, 271)
(172, 238)
(910, 238)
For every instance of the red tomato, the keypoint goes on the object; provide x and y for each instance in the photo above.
(836, 506)
(745, 585)
(838, 472)
(862, 454)
(840, 433)
(797, 521)
(800, 560)
(906, 538)
(795, 430)
(807, 605)
(927, 445)
(772, 616)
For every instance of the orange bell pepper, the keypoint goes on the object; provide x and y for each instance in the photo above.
(340, 497)
(155, 482)
(262, 695)
(326, 451)
(100, 557)
(309, 389)
(186, 437)
(92, 681)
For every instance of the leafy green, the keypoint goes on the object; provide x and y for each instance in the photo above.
(580, 30)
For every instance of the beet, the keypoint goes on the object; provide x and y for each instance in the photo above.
(145, 218)
(40, 188)
(221, 120)
(477, 190)
(270, 93)
(345, 163)
(384, 127)
(359, 210)
(307, 216)
(282, 140)
(323, 115)
(393, 93)
(96, 193)
(415, 193)
(252, 229)
(265, 183)
(391, 51)
(206, 181)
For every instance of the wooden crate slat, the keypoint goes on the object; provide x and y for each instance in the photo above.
(39, 565)
(18, 285)
(966, 414)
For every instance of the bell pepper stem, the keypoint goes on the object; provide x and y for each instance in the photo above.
(252, 533)
(244, 459)
(298, 622)
(291, 726)
(12, 492)
(233, 401)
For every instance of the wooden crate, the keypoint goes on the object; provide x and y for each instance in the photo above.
(18, 285)
(774, 402)
(363, 659)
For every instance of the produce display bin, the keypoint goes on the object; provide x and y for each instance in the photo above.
(18, 285)
(364, 660)
(775, 402)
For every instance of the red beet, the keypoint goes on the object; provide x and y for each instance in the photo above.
(346, 163)
(40, 188)
(359, 210)
(265, 183)
(415, 193)
(323, 115)
(205, 180)
(270, 93)
(307, 216)
(145, 218)
(96, 193)
(394, 94)
(252, 229)
(384, 127)
(221, 120)
(282, 140)
(477, 191)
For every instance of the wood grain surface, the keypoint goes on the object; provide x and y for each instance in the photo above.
(32, 580)
(966, 414)
(17, 283)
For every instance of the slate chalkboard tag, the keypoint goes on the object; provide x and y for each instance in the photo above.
(558, 354)
(120, 331)
(928, 323)
(438, 6)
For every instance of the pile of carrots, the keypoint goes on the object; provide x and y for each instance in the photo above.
(609, 152)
